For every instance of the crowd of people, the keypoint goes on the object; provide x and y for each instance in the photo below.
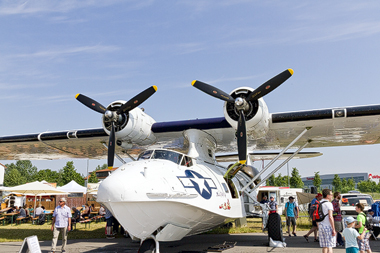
(334, 231)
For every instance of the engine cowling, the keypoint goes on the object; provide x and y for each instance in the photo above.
(256, 116)
(134, 127)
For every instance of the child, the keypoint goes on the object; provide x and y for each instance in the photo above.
(350, 234)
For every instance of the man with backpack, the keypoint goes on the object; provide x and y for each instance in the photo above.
(362, 218)
(325, 220)
(291, 213)
(312, 208)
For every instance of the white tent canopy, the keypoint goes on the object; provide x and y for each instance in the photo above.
(36, 189)
(73, 187)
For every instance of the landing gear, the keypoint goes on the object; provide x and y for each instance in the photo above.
(274, 227)
(149, 246)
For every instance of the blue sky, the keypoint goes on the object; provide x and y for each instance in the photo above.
(109, 50)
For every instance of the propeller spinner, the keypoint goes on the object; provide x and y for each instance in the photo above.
(242, 106)
(114, 116)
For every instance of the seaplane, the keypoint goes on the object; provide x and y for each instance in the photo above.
(175, 184)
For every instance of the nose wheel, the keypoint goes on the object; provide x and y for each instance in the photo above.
(149, 246)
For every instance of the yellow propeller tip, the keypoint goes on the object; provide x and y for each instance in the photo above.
(77, 95)
(110, 168)
(242, 161)
(154, 87)
(291, 71)
(193, 82)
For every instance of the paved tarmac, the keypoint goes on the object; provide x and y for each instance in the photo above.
(200, 243)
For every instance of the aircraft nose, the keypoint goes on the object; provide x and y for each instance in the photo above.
(131, 182)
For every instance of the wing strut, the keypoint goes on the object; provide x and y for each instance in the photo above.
(276, 158)
(280, 166)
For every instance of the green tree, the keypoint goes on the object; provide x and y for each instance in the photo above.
(350, 184)
(69, 173)
(295, 179)
(92, 178)
(14, 178)
(103, 167)
(50, 176)
(281, 180)
(24, 167)
(317, 181)
(337, 183)
(271, 180)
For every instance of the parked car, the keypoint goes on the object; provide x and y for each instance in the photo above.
(349, 200)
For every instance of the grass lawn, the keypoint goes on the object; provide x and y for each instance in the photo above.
(14, 233)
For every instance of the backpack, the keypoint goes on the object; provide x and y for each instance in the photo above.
(318, 214)
(312, 208)
(376, 208)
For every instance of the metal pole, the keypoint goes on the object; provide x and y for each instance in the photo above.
(88, 162)
(288, 174)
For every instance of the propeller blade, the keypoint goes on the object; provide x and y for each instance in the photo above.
(111, 147)
(211, 90)
(137, 100)
(90, 103)
(270, 85)
(242, 138)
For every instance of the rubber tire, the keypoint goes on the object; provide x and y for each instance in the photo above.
(275, 227)
(148, 246)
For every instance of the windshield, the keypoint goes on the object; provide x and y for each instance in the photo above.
(161, 154)
(352, 201)
(145, 155)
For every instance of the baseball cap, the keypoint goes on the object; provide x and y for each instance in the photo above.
(291, 197)
(370, 210)
(271, 197)
(350, 219)
(318, 195)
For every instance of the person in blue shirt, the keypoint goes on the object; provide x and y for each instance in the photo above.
(264, 200)
(291, 213)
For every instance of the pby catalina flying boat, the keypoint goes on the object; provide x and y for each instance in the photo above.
(175, 187)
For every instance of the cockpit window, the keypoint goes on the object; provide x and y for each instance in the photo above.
(145, 155)
(161, 154)
(187, 161)
(167, 155)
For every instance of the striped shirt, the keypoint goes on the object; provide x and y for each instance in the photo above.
(62, 215)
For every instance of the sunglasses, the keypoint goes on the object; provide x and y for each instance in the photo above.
(61, 201)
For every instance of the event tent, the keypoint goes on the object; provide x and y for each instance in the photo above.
(36, 189)
(73, 187)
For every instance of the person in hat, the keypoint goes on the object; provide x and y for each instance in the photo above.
(61, 224)
(291, 214)
(272, 205)
(350, 235)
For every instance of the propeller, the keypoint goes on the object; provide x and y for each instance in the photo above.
(242, 106)
(114, 116)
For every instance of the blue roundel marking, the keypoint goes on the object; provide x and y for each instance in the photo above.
(203, 185)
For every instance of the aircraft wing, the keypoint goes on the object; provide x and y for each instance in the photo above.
(359, 125)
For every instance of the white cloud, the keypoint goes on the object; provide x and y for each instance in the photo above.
(68, 51)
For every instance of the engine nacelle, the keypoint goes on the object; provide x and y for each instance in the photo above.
(257, 116)
(134, 127)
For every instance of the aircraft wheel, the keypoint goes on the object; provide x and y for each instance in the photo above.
(148, 246)
(274, 227)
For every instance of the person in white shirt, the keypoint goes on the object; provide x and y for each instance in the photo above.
(61, 224)
(326, 227)
(38, 211)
